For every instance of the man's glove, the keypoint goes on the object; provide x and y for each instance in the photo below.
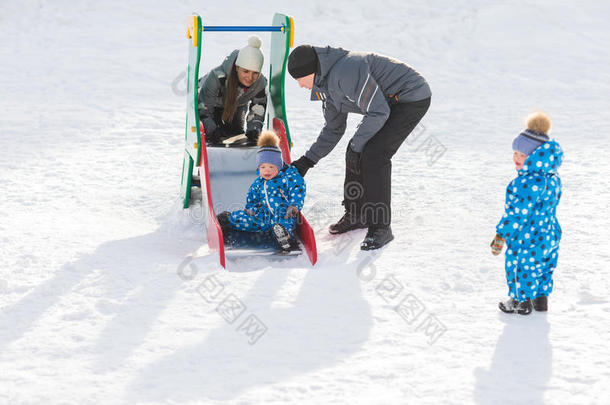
(252, 135)
(496, 245)
(352, 160)
(303, 164)
(291, 212)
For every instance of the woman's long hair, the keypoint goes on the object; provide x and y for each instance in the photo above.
(231, 96)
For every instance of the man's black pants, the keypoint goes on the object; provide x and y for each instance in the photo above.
(368, 194)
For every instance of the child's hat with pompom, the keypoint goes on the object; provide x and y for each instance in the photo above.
(538, 126)
(269, 150)
(250, 57)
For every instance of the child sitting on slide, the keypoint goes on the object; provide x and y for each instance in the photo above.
(274, 199)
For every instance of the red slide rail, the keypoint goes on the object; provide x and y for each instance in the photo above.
(214, 232)
(304, 230)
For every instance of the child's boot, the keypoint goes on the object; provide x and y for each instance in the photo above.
(508, 306)
(512, 305)
(541, 303)
(223, 220)
(525, 307)
(282, 236)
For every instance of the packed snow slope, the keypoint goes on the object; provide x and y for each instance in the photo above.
(109, 295)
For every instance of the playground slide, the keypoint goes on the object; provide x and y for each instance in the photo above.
(226, 172)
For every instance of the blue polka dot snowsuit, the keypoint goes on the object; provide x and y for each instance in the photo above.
(529, 224)
(268, 199)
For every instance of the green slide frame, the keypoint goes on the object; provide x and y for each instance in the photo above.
(281, 42)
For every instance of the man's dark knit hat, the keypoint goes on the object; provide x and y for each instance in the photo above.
(302, 61)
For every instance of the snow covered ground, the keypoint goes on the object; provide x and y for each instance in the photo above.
(106, 296)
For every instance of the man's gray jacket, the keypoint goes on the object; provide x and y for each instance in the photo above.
(362, 83)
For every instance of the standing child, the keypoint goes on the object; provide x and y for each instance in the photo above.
(529, 226)
(274, 198)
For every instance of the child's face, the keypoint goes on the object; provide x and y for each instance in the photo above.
(519, 159)
(268, 171)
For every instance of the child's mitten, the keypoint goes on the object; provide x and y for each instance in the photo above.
(496, 245)
(291, 212)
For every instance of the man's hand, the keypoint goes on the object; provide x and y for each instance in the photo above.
(303, 164)
(352, 160)
(291, 212)
(496, 245)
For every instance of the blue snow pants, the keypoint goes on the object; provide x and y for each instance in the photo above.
(241, 221)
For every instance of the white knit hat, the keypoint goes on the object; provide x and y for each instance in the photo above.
(250, 57)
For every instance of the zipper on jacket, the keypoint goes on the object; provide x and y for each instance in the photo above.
(267, 198)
